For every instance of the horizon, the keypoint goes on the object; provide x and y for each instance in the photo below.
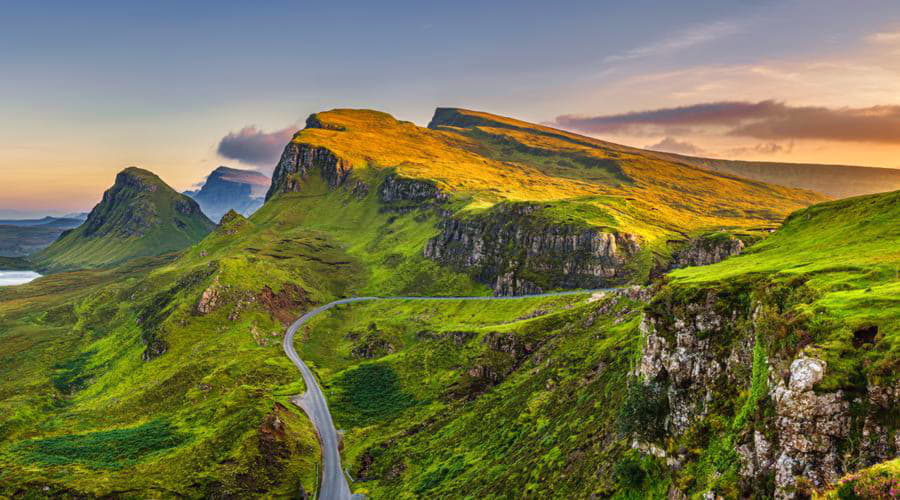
(800, 81)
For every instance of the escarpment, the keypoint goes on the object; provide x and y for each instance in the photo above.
(296, 163)
(517, 252)
(744, 377)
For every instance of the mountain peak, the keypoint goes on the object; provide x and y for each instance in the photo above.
(229, 188)
(140, 215)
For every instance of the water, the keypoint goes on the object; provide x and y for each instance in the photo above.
(8, 278)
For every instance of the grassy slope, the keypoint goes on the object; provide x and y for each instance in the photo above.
(550, 427)
(169, 230)
(847, 253)
(419, 424)
(483, 159)
(76, 338)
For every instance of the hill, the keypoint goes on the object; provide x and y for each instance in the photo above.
(59, 222)
(581, 213)
(836, 181)
(771, 373)
(139, 215)
(231, 189)
(164, 376)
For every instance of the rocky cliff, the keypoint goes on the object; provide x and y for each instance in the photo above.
(708, 249)
(739, 376)
(517, 252)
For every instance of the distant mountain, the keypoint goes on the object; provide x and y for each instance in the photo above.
(140, 215)
(76, 215)
(838, 181)
(227, 189)
(48, 221)
(20, 237)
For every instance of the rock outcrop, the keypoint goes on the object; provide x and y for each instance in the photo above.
(703, 350)
(706, 250)
(396, 189)
(298, 160)
(516, 252)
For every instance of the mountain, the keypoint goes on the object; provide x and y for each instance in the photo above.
(48, 221)
(76, 215)
(585, 213)
(231, 189)
(771, 372)
(837, 181)
(26, 236)
(139, 216)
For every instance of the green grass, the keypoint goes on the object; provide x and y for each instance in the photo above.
(547, 428)
(106, 449)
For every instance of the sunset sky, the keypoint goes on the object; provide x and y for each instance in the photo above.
(179, 88)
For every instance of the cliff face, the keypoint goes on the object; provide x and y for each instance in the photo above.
(728, 379)
(299, 160)
(518, 253)
(707, 250)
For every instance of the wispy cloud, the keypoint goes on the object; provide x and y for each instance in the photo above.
(673, 145)
(765, 120)
(686, 39)
(884, 37)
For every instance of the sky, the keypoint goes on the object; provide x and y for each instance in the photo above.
(88, 88)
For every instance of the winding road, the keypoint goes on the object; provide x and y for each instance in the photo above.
(334, 485)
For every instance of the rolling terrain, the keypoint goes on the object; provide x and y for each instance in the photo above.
(19, 238)
(158, 373)
(836, 181)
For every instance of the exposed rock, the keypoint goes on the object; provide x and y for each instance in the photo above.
(706, 250)
(398, 189)
(810, 427)
(298, 160)
(510, 343)
(511, 248)
(209, 298)
(694, 347)
(284, 304)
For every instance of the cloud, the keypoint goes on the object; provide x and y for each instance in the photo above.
(672, 145)
(686, 39)
(252, 146)
(765, 120)
(766, 148)
(884, 37)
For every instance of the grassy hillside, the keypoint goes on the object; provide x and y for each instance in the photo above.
(837, 181)
(846, 253)
(139, 216)
(536, 397)
(497, 171)
(163, 375)
(490, 159)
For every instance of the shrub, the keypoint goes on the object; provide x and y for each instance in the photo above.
(644, 411)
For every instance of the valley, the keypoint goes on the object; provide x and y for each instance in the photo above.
(487, 308)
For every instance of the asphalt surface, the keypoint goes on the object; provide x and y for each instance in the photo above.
(334, 484)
